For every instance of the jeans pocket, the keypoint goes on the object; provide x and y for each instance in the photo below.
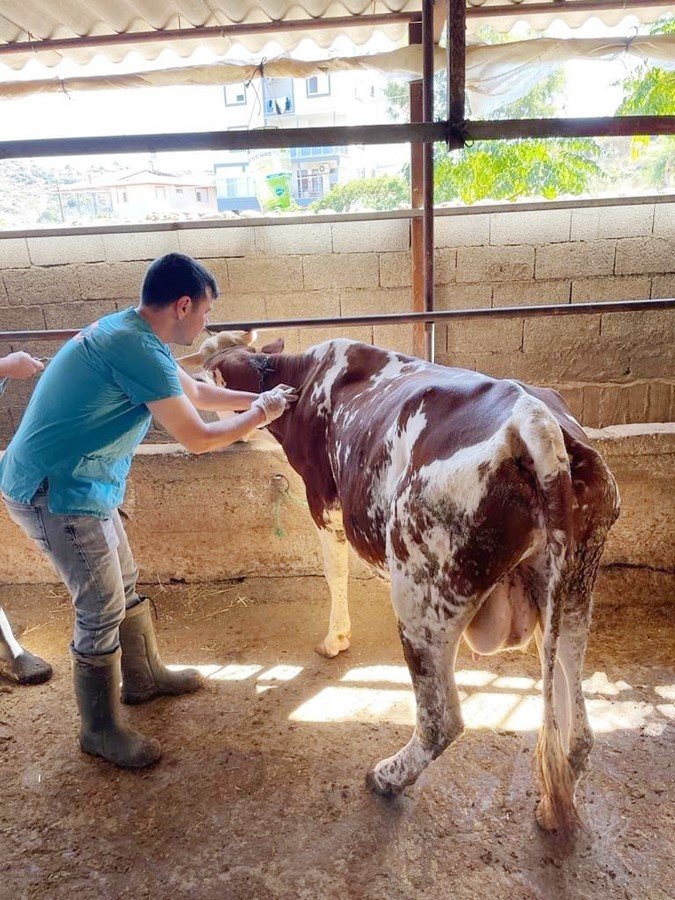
(29, 519)
(93, 535)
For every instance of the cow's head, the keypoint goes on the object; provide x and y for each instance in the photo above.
(241, 365)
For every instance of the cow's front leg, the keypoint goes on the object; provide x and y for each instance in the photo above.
(430, 643)
(336, 569)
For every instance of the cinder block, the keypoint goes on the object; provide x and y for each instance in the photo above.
(660, 405)
(365, 237)
(210, 243)
(288, 239)
(664, 220)
(613, 405)
(600, 222)
(218, 268)
(445, 266)
(656, 362)
(111, 281)
(4, 299)
(366, 303)
(531, 293)
(636, 255)
(21, 318)
(341, 270)
(486, 336)
(56, 284)
(66, 249)
(495, 263)
(611, 288)
(282, 274)
(457, 360)
(396, 269)
(234, 307)
(637, 401)
(530, 227)
(461, 230)
(575, 260)
(573, 395)
(548, 365)
(78, 314)
(290, 337)
(6, 426)
(147, 245)
(463, 296)
(591, 414)
(644, 329)
(14, 253)
(498, 365)
(306, 304)
(394, 337)
(663, 286)
(558, 332)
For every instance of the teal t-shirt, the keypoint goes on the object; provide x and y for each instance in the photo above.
(87, 415)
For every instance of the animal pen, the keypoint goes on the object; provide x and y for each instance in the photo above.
(261, 790)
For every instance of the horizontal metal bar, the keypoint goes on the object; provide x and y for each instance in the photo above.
(325, 136)
(526, 312)
(609, 126)
(399, 133)
(207, 31)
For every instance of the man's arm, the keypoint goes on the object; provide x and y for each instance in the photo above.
(214, 399)
(179, 417)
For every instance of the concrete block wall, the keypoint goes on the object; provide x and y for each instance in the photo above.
(612, 368)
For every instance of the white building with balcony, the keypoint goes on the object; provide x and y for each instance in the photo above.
(344, 98)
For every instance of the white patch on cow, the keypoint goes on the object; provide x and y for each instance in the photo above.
(402, 444)
(392, 369)
(572, 419)
(321, 392)
(8, 637)
(336, 569)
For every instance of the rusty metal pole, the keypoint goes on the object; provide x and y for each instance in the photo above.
(428, 171)
(416, 198)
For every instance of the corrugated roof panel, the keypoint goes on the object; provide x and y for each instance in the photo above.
(31, 21)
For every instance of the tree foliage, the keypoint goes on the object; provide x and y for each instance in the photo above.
(380, 193)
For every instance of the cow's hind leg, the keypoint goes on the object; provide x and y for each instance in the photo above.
(430, 637)
(336, 569)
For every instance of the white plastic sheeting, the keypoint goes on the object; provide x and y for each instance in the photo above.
(495, 73)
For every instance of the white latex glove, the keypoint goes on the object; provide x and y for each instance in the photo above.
(275, 402)
(20, 365)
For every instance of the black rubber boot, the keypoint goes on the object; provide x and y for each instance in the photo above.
(144, 676)
(97, 680)
(24, 667)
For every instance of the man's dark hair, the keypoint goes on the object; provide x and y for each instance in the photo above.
(176, 275)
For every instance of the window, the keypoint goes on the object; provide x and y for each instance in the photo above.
(179, 190)
(239, 187)
(235, 95)
(278, 96)
(318, 85)
(200, 196)
(160, 193)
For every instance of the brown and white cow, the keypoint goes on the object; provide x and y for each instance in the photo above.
(483, 503)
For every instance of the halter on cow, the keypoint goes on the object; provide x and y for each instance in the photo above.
(483, 503)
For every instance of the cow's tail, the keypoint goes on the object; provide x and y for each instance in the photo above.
(545, 447)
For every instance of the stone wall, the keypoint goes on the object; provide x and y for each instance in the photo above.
(612, 368)
(222, 515)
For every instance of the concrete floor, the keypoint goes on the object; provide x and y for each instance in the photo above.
(260, 793)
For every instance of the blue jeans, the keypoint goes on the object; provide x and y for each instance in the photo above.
(93, 559)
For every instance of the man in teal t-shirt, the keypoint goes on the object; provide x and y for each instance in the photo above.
(63, 478)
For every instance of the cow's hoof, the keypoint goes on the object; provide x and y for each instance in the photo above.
(378, 786)
(331, 648)
(546, 818)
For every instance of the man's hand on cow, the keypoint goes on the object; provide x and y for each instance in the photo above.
(20, 365)
(275, 402)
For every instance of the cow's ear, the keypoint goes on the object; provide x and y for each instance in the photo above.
(275, 347)
(248, 337)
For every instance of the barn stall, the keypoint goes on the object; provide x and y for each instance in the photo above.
(261, 789)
